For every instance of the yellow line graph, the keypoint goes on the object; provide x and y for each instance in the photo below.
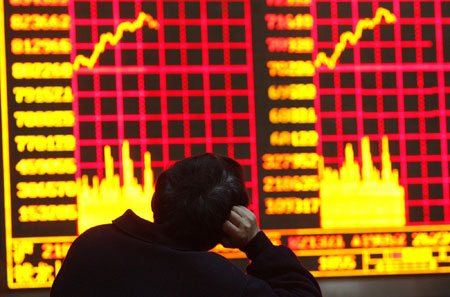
(353, 38)
(113, 39)
(321, 59)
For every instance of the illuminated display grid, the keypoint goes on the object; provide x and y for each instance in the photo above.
(389, 48)
(390, 83)
(184, 89)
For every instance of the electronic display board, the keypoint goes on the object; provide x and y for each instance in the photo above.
(339, 112)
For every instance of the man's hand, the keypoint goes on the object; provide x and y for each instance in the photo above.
(240, 228)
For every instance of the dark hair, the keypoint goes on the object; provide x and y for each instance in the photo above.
(194, 197)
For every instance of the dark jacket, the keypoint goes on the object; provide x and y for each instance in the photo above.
(132, 258)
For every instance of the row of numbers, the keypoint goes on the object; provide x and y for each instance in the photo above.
(289, 21)
(45, 143)
(42, 70)
(40, 22)
(41, 46)
(48, 119)
(290, 161)
(46, 166)
(48, 213)
(288, 183)
(291, 205)
(47, 94)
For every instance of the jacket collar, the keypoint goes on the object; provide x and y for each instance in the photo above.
(137, 227)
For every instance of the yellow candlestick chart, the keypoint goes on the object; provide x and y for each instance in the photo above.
(110, 197)
(354, 197)
(349, 199)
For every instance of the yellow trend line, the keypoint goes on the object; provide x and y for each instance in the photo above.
(353, 38)
(113, 39)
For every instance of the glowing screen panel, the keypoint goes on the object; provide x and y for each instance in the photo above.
(338, 111)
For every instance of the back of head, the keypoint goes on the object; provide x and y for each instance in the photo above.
(194, 197)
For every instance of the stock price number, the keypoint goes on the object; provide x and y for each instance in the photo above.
(288, 2)
(290, 161)
(46, 166)
(316, 242)
(48, 213)
(45, 143)
(337, 263)
(37, 22)
(51, 251)
(294, 138)
(290, 183)
(292, 92)
(289, 21)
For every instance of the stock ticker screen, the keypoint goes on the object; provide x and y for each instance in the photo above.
(338, 110)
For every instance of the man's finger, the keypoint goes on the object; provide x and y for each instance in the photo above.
(235, 218)
(229, 228)
(243, 211)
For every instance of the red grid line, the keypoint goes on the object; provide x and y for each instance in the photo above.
(396, 159)
(337, 84)
(94, 165)
(241, 1)
(251, 106)
(401, 95)
(242, 45)
(421, 103)
(171, 69)
(158, 117)
(358, 82)
(134, 93)
(405, 91)
(184, 78)
(390, 67)
(387, 114)
(378, 78)
(364, 1)
(396, 136)
(405, 21)
(172, 22)
(163, 84)
(119, 83)
(236, 22)
(171, 45)
(316, 81)
(430, 203)
(75, 103)
(141, 94)
(227, 61)
(171, 140)
(206, 82)
(97, 104)
(442, 116)
(380, 43)
(157, 0)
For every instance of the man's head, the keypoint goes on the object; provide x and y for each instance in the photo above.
(194, 197)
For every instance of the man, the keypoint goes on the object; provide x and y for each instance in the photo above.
(198, 202)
